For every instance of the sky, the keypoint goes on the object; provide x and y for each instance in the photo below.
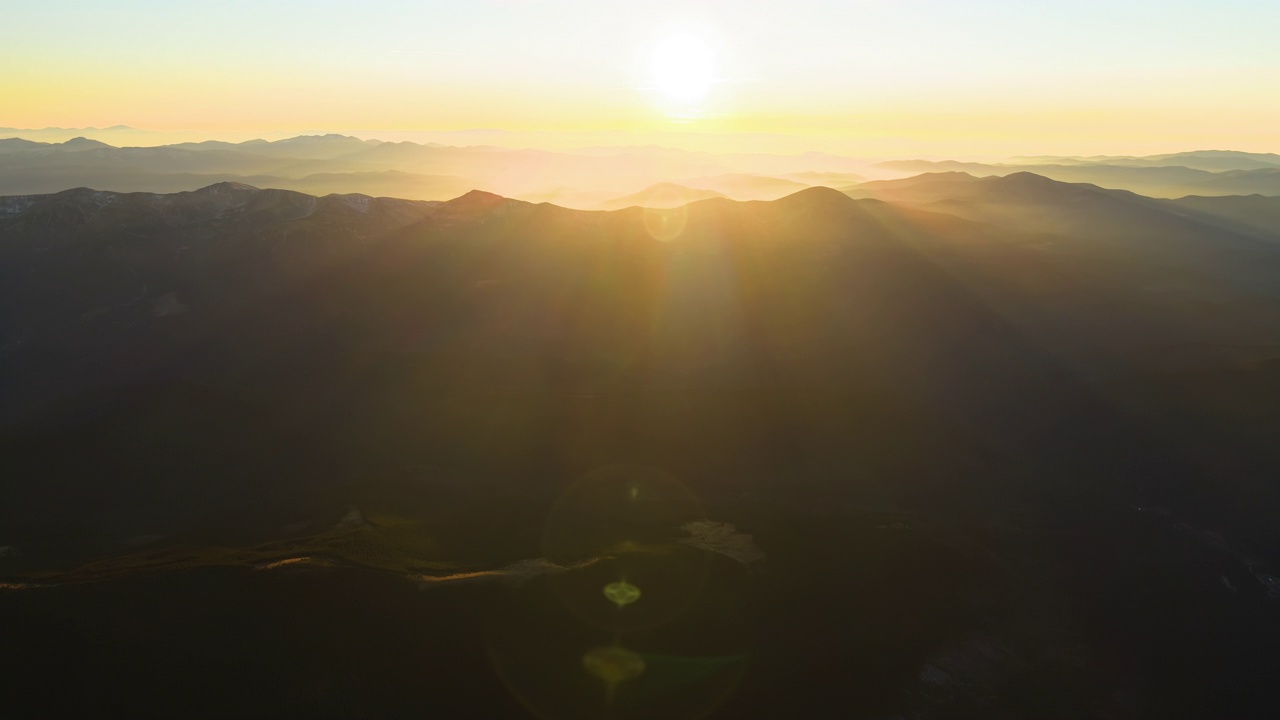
(943, 77)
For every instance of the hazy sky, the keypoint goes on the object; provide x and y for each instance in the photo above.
(933, 76)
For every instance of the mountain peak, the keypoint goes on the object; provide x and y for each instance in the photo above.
(327, 137)
(1029, 178)
(662, 195)
(956, 175)
(84, 143)
(1028, 185)
(226, 187)
(15, 142)
(476, 198)
(817, 195)
(924, 179)
(476, 202)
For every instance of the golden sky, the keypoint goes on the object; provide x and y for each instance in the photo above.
(856, 76)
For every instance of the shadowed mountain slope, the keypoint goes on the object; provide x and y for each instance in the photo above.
(816, 346)
(1034, 203)
(1257, 214)
(1140, 271)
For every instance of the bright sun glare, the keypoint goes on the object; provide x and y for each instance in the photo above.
(682, 68)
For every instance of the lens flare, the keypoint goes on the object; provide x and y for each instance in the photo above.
(621, 593)
(614, 665)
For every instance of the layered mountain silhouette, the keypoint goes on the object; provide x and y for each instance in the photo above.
(1210, 160)
(747, 187)
(338, 163)
(1170, 176)
(589, 179)
(661, 195)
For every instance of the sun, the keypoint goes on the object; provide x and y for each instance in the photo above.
(682, 68)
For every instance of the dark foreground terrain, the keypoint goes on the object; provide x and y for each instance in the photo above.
(997, 448)
(866, 613)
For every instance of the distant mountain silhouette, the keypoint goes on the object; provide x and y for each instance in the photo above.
(1265, 181)
(321, 147)
(385, 183)
(8, 145)
(660, 195)
(1157, 179)
(83, 143)
(1035, 203)
(828, 179)
(338, 163)
(1209, 160)
(746, 187)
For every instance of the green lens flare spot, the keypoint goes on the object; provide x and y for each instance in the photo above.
(614, 665)
(621, 593)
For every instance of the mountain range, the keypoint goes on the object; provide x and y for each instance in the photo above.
(588, 179)
(1168, 176)
(991, 304)
(430, 171)
(977, 434)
